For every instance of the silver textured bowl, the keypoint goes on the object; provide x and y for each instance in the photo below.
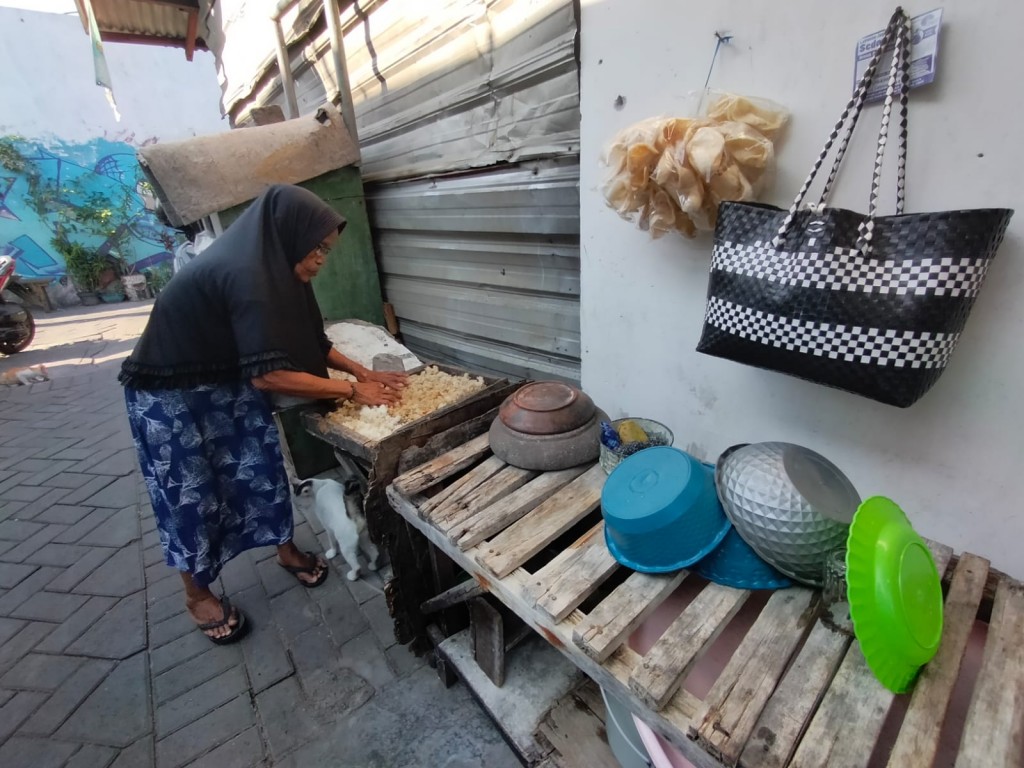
(790, 504)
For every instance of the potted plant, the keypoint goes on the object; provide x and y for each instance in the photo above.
(158, 276)
(85, 266)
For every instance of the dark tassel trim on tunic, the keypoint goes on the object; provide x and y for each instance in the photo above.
(145, 377)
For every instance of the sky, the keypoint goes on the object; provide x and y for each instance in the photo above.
(47, 6)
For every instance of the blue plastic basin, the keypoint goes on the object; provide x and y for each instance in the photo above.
(661, 511)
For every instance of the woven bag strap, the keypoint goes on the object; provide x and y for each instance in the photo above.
(900, 63)
(898, 50)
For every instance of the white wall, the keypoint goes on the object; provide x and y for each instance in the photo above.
(953, 461)
(48, 89)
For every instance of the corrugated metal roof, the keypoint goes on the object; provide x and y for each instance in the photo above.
(131, 17)
(439, 86)
(156, 22)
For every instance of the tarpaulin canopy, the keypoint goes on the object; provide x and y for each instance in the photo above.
(208, 174)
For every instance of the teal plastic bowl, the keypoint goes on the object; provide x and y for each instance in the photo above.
(661, 511)
(734, 564)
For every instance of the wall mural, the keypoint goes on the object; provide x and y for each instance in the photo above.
(57, 197)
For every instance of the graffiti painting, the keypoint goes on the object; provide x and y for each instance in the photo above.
(99, 167)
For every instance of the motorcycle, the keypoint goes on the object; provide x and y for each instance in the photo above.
(17, 327)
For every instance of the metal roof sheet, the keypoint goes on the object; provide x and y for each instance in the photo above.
(160, 22)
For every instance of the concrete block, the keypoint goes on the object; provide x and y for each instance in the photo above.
(39, 672)
(75, 625)
(120, 633)
(206, 666)
(195, 703)
(219, 726)
(117, 713)
(67, 697)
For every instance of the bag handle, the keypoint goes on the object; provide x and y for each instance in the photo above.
(898, 29)
(903, 52)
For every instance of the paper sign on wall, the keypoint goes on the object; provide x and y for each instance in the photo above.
(924, 53)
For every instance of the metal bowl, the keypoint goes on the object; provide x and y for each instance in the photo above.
(547, 452)
(546, 408)
(790, 504)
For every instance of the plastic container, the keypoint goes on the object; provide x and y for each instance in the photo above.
(623, 736)
(734, 564)
(661, 511)
(895, 593)
(657, 432)
(661, 753)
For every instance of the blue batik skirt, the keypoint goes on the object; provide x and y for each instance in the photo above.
(211, 457)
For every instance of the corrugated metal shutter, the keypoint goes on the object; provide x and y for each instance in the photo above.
(483, 269)
(464, 84)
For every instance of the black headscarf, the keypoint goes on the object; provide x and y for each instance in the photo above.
(238, 310)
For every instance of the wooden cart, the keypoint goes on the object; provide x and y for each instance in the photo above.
(414, 574)
(794, 692)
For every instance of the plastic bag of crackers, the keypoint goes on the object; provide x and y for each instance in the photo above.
(670, 174)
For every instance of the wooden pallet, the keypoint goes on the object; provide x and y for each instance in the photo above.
(794, 692)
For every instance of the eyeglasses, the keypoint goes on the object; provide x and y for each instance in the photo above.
(323, 250)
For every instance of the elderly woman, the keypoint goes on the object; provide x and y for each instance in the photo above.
(236, 324)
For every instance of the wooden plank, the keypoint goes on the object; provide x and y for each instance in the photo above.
(446, 576)
(445, 671)
(574, 574)
(525, 538)
(590, 695)
(508, 510)
(456, 595)
(666, 665)
(994, 733)
(918, 741)
(611, 623)
(451, 517)
(578, 735)
(735, 701)
(673, 721)
(785, 716)
(488, 634)
(457, 510)
(846, 725)
(941, 554)
(191, 30)
(443, 466)
(458, 489)
(414, 455)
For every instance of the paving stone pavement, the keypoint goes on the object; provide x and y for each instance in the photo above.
(100, 665)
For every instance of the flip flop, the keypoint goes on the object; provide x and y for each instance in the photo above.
(236, 634)
(297, 569)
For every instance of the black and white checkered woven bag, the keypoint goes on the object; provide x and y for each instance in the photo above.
(870, 304)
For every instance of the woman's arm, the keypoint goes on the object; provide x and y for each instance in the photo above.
(339, 362)
(301, 384)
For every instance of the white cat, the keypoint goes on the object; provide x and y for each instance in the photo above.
(340, 510)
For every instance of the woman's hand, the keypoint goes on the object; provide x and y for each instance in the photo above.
(393, 380)
(374, 393)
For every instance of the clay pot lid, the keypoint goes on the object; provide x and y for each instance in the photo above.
(546, 408)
